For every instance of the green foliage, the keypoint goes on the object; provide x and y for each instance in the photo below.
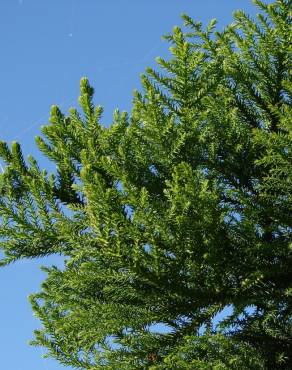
(170, 214)
(212, 352)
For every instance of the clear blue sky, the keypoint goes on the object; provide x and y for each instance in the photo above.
(46, 47)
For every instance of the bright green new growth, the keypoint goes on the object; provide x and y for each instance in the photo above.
(170, 214)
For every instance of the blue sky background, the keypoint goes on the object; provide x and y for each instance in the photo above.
(46, 47)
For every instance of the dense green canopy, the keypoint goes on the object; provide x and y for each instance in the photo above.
(172, 213)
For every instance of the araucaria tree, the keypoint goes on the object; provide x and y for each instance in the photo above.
(172, 213)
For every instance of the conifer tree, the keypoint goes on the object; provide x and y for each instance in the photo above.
(172, 213)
